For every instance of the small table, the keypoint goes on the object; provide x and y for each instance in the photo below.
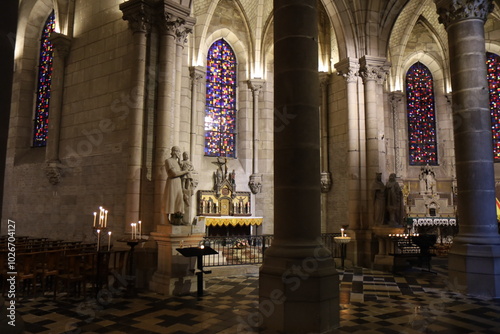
(131, 264)
(199, 252)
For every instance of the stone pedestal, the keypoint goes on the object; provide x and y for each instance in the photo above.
(175, 273)
(384, 261)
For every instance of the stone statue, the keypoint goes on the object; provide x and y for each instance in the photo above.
(394, 201)
(378, 189)
(187, 179)
(427, 181)
(174, 195)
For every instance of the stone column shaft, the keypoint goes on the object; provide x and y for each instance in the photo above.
(138, 14)
(165, 114)
(475, 254)
(299, 304)
(197, 73)
(62, 45)
(255, 181)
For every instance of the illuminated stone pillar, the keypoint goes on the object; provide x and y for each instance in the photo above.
(138, 14)
(255, 181)
(474, 258)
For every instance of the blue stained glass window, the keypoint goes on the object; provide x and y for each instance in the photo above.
(421, 116)
(220, 112)
(493, 65)
(41, 121)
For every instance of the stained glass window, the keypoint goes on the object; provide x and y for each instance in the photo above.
(421, 116)
(40, 131)
(493, 63)
(220, 112)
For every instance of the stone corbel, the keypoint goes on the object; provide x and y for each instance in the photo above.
(53, 171)
(326, 182)
(255, 183)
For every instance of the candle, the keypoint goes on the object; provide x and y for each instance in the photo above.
(98, 239)
(341, 232)
(100, 216)
(95, 215)
(105, 218)
(140, 230)
(109, 240)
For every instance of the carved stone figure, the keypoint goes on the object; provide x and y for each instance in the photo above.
(187, 179)
(394, 201)
(378, 189)
(174, 203)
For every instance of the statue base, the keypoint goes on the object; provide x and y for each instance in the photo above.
(175, 273)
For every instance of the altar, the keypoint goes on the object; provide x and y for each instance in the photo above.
(229, 225)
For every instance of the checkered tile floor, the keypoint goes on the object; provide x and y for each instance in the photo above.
(371, 302)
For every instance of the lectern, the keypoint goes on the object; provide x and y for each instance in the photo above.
(199, 252)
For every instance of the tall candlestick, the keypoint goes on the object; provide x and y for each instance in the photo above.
(98, 239)
(109, 240)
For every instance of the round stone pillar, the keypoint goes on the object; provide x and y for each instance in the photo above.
(475, 254)
(298, 283)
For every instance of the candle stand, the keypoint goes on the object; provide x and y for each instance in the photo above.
(342, 241)
(131, 292)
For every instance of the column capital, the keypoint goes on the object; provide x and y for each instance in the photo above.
(255, 85)
(373, 68)
(197, 72)
(61, 43)
(348, 68)
(139, 15)
(451, 11)
(174, 19)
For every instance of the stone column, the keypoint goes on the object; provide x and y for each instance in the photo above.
(62, 45)
(474, 259)
(326, 177)
(174, 273)
(349, 69)
(196, 73)
(181, 39)
(255, 181)
(169, 21)
(298, 283)
(138, 14)
(373, 71)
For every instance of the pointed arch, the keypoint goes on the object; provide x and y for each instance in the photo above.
(41, 118)
(422, 141)
(220, 107)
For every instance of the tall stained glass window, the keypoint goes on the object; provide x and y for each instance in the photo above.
(421, 116)
(493, 63)
(220, 113)
(41, 121)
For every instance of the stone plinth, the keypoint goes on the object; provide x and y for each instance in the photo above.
(384, 261)
(175, 273)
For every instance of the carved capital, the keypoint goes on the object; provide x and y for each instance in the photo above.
(451, 11)
(373, 68)
(196, 73)
(256, 85)
(348, 69)
(61, 43)
(53, 171)
(139, 15)
(255, 183)
(326, 182)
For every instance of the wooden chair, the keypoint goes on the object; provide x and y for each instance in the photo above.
(118, 267)
(50, 267)
(73, 273)
(25, 272)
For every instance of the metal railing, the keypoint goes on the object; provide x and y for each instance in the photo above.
(249, 249)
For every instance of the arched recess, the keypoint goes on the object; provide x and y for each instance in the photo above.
(33, 15)
(399, 41)
(202, 36)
